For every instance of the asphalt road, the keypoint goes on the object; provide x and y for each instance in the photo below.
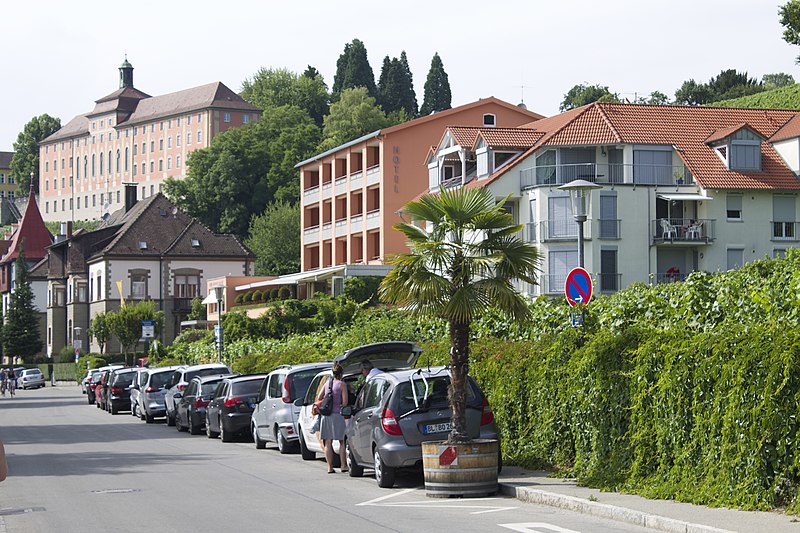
(74, 468)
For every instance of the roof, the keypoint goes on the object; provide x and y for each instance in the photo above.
(509, 137)
(5, 159)
(790, 130)
(724, 133)
(79, 125)
(686, 128)
(31, 233)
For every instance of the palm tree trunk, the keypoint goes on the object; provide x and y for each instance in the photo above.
(459, 369)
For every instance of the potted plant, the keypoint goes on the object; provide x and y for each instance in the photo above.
(465, 250)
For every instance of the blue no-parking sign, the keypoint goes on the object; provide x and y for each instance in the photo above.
(578, 287)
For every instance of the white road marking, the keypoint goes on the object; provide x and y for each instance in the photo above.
(436, 503)
(537, 527)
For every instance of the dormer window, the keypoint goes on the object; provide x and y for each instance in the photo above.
(143, 245)
(489, 121)
(195, 243)
(745, 151)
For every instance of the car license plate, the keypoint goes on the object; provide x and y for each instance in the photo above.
(437, 428)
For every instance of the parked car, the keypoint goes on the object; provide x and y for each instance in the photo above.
(91, 384)
(181, 378)
(97, 380)
(86, 379)
(30, 378)
(119, 391)
(190, 408)
(151, 400)
(274, 419)
(231, 408)
(396, 412)
(136, 391)
(101, 389)
(384, 356)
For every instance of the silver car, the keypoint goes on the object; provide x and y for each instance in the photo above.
(396, 412)
(31, 378)
(151, 400)
(138, 385)
(274, 419)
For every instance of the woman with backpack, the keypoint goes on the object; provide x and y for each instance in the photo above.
(332, 424)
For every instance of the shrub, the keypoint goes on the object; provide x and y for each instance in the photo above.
(239, 298)
(258, 296)
(273, 293)
(247, 297)
(284, 293)
(362, 289)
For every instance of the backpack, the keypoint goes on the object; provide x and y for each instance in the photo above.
(326, 407)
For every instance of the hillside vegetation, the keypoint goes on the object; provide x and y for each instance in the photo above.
(686, 391)
(781, 98)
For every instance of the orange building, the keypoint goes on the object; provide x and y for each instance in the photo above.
(130, 137)
(351, 195)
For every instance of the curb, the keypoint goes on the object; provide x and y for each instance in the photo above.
(603, 510)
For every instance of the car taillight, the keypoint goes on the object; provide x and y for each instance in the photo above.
(487, 416)
(200, 402)
(389, 423)
(151, 389)
(116, 390)
(182, 386)
(232, 402)
(287, 397)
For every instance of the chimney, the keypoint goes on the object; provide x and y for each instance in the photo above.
(130, 196)
(69, 230)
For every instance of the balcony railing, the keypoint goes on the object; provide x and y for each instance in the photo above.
(609, 281)
(784, 231)
(563, 230)
(682, 230)
(182, 305)
(552, 283)
(637, 174)
(531, 231)
(670, 277)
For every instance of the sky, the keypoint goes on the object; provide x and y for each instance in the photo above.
(59, 57)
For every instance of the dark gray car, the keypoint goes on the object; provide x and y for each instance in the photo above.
(396, 412)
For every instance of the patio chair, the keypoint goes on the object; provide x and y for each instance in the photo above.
(668, 231)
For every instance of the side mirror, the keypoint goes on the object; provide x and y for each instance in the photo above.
(177, 395)
(298, 402)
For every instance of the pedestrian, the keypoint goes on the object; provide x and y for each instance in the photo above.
(332, 425)
(368, 370)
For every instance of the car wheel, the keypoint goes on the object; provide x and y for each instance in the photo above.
(178, 424)
(283, 445)
(193, 428)
(353, 468)
(384, 474)
(114, 410)
(305, 453)
(260, 444)
(142, 414)
(225, 436)
(170, 419)
(210, 434)
(149, 419)
(89, 399)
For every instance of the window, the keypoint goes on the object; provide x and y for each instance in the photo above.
(169, 142)
(245, 118)
(94, 200)
(783, 217)
(735, 258)
(169, 123)
(135, 149)
(745, 151)
(138, 284)
(46, 185)
(169, 162)
(144, 148)
(63, 204)
(733, 206)
(546, 168)
(160, 165)
(653, 166)
(98, 292)
(127, 158)
(102, 198)
(559, 265)
(560, 223)
(188, 120)
(63, 182)
(199, 136)
(101, 163)
(152, 166)
(189, 138)
(199, 118)
(151, 190)
(117, 196)
(187, 285)
(62, 163)
(161, 126)
(152, 146)
(177, 161)
(489, 120)
(161, 143)
(609, 224)
(109, 163)
(135, 130)
(55, 206)
(47, 166)
(79, 202)
(179, 122)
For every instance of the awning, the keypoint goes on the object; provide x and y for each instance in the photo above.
(210, 299)
(682, 196)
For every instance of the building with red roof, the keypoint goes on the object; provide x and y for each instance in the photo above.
(682, 188)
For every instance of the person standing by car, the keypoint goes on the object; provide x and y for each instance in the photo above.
(332, 425)
(368, 370)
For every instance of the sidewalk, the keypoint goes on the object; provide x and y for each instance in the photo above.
(661, 515)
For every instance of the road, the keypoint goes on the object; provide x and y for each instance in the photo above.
(74, 468)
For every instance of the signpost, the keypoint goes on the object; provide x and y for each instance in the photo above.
(578, 287)
(148, 329)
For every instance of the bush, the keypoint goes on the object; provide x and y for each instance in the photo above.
(247, 298)
(66, 355)
(362, 289)
(284, 293)
(273, 293)
(258, 296)
(239, 298)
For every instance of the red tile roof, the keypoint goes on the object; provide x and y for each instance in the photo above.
(727, 132)
(789, 130)
(685, 128)
(32, 233)
(509, 137)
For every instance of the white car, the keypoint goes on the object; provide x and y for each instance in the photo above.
(138, 385)
(383, 355)
(86, 379)
(31, 378)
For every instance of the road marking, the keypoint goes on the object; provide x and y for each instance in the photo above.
(537, 527)
(436, 503)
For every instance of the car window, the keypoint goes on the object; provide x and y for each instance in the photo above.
(207, 372)
(262, 392)
(274, 387)
(246, 388)
(311, 393)
(207, 388)
(159, 379)
(219, 390)
(123, 379)
(175, 378)
(403, 397)
(376, 388)
(299, 382)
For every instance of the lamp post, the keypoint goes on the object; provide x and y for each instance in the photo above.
(579, 193)
(219, 291)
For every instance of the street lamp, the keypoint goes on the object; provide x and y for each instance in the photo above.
(579, 193)
(219, 291)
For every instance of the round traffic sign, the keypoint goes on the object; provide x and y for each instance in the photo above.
(578, 287)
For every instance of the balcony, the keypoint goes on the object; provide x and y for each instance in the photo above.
(530, 228)
(784, 231)
(356, 223)
(669, 277)
(682, 231)
(325, 233)
(552, 283)
(340, 186)
(563, 230)
(311, 234)
(636, 174)
(355, 180)
(373, 219)
(311, 195)
(609, 282)
(340, 227)
(373, 175)
(181, 305)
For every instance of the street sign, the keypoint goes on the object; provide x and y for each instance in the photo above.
(448, 455)
(578, 287)
(218, 336)
(148, 329)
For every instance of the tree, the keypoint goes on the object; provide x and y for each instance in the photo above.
(396, 87)
(26, 150)
(199, 310)
(126, 324)
(733, 84)
(693, 93)
(790, 19)
(275, 239)
(773, 81)
(437, 95)
(270, 88)
(464, 255)
(354, 115)
(21, 336)
(655, 98)
(583, 94)
(246, 168)
(353, 70)
(100, 330)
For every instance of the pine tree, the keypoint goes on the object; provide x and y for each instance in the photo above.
(437, 88)
(353, 70)
(21, 336)
(396, 87)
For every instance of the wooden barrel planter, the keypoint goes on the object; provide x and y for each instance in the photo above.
(467, 470)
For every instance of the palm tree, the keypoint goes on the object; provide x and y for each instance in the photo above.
(464, 254)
